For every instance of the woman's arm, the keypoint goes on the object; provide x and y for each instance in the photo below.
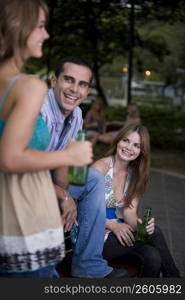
(124, 231)
(103, 120)
(130, 214)
(87, 120)
(15, 156)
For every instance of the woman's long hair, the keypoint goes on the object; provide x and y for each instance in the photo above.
(18, 19)
(140, 167)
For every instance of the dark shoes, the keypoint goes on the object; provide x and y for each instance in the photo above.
(117, 273)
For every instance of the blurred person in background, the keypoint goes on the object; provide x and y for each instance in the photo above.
(94, 121)
(132, 117)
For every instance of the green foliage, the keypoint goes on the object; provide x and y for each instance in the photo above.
(115, 113)
(153, 100)
(100, 32)
(166, 127)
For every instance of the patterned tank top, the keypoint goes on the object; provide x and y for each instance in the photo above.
(113, 208)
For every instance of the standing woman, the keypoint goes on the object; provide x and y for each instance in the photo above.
(126, 170)
(31, 232)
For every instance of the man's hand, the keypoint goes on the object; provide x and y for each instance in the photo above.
(69, 214)
(68, 207)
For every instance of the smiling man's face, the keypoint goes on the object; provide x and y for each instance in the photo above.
(72, 86)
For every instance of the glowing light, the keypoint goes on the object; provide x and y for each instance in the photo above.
(148, 73)
(125, 69)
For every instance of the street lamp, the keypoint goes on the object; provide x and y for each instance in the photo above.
(125, 70)
(148, 73)
(131, 49)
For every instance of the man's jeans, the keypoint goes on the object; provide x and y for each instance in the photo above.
(45, 272)
(87, 258)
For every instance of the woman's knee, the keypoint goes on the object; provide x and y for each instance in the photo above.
(152, 256)
(157, 235)
(157, 230)
(96, 177)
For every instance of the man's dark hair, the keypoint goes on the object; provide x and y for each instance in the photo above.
(75, 60)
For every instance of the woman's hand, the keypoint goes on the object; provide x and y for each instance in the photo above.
(124, 233)
(150, 226)
(80, 153)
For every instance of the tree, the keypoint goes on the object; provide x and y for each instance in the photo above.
(99, 31)
(78, 32)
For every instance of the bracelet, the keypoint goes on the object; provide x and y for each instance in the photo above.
(66, 197)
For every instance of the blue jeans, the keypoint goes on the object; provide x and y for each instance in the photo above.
(45, 272)
(87, 258)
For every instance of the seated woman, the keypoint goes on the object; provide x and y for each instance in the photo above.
(132, 116)
(126, 170)
(94, 121)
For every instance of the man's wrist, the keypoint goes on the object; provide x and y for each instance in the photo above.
(65, 197)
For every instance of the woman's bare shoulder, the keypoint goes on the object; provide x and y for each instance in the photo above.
(102, 164)
(32, 81)
(30, 87)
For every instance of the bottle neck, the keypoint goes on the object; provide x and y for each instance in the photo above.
(81, 137)
(147, 214)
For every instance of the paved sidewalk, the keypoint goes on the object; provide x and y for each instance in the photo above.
(166, 196)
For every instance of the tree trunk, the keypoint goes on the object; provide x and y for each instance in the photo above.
(52, 5)
(98, 84)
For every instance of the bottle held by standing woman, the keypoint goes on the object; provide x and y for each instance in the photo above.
(78, 175)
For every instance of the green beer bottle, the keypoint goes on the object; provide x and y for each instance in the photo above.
(78, 175)
(142, 234)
